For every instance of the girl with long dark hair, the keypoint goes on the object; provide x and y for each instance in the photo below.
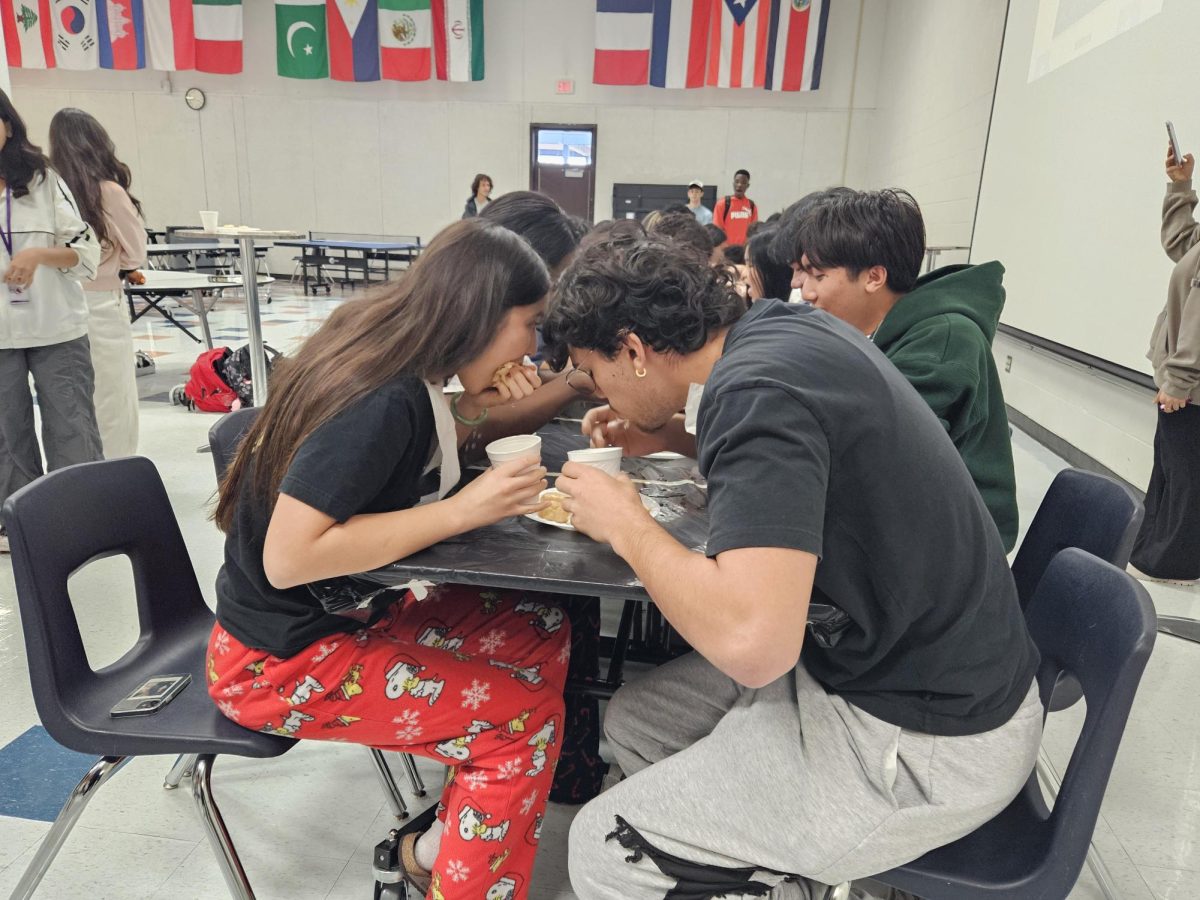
(345, 470)
(46, 249)
(481, 196)
(766, 275)
(83, 154)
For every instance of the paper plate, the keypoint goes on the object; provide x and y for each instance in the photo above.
(648, 502)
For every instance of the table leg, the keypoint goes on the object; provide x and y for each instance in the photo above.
(258, 365)
(202, 313)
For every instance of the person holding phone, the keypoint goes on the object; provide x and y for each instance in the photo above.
(1168, 545)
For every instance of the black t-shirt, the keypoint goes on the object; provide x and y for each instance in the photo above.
(369, 458)
(812, 440)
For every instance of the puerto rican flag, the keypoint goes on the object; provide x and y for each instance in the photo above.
(737, 44)
(121, 33)
(623, 40)
(796, 45)
(28, 33)
(353, 40)
(679, 52)
(170, 34)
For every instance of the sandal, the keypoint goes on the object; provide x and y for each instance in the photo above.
(413, 873)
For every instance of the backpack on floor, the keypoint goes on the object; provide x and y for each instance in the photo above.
(234, 369)
(206, 390)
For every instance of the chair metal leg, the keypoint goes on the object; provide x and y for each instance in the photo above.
(1050, 779)
(52, 843)
(414, 777)
(218, 834)
(390, 788)
(182, 769)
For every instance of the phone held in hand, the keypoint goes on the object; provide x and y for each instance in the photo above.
(151, 695)
(1175, 151)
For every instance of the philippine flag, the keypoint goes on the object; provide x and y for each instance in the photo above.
(353, 40)
(679, 53)
(623, 38)
(121, 32)
(796, 45)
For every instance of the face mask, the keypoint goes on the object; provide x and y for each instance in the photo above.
(695, 394)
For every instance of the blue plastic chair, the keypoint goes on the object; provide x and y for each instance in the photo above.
(1094, 621)
(57, 525)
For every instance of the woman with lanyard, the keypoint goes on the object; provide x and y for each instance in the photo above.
(47, 251)
(334, 478)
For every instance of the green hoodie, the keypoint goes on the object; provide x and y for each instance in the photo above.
(940, 336)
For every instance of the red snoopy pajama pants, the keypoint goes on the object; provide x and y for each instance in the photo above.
(468, 678)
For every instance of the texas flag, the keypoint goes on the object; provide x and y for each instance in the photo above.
(796, 45)
(679, 53)
(170, 34)
(737, 46)
(28, 33)
(353, 39)
(121, 32)
(623, 39)
(75, 45)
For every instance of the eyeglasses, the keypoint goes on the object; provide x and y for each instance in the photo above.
(581, 380)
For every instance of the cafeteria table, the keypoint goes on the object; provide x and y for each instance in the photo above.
(318, 254)
(161, 285)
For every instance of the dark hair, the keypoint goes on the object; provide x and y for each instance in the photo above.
(683, 230)
(667, 298)
(856, 230)
(539, 220)
(677, 208)
(787, 242)
(579, 227)
(614, 233)
(83, 154)
(742, 172)
(774, 274)
(20, 161)
(770, 220)
(475, 183)
(716, 234)
(441, 315)
(734, 254)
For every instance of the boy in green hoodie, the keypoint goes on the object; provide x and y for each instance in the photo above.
(861, 254)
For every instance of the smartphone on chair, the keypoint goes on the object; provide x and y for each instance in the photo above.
(1174, 138)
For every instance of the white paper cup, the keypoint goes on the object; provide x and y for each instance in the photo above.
(515, 447)
(209, 219)
(606, 459)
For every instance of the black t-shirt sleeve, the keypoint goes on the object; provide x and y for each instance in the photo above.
(766, 459)
(346, 462)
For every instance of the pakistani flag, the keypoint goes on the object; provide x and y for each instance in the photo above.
(301, 43)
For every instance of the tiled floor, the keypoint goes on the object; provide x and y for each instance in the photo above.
(305, 823)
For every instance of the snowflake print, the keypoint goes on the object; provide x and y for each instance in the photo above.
(527, 803)
(228, 710)
(509, 769)
(408, 717)
(221, 642)
(409, 734)
(492, 641)
(564, 655)
(323, 651)
(457, 870)
(477, 694)
(474, 780)
(232, 690)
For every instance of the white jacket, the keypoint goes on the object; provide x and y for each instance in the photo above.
(57, 309)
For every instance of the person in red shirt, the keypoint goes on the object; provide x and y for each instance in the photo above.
(736, 212)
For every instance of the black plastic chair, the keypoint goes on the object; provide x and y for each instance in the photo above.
(1094, 621)
(223, 440)
(56, 526)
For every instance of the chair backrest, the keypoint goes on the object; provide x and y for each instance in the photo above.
(1095, 622)
(74, 516)
(1082, 509)
(225, 435)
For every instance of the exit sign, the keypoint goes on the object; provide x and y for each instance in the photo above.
(565, 86)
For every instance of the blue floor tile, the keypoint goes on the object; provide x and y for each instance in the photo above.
(37, 775)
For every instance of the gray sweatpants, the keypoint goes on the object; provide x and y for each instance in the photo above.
(62, 375)
(784, 779)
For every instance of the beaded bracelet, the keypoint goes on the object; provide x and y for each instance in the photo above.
(461, 419)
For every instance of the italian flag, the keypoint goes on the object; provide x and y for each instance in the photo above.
(218, 26)
(458, 39)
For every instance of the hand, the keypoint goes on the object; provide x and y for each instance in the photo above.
(602, 507)
(23, 265)
(1169, 404)
(1182, 172)
(503, 491)
(606, 429)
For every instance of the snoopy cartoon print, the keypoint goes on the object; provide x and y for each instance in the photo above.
(504, 889)
(437, 635)
(290, 725)
(546, 619)
(304, 690)
(403, 677)
(529, 676)
(351, 685)
(459, 748)
(539, 741)
(472, 824)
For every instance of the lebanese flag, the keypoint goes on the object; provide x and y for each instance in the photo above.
(406, 39)
(353, 40)
(679, 53)
(624, 31)
(737, 45)
(121, 31)
(218, 25)
(170, 34)
(28, 33)
(797, 45)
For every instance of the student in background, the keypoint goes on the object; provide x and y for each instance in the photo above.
(46, 250)
(682, 230)
(1168, 545)
(695, 195)
(767, 276)
(736, 212)
(719, 241)
(83, 153)
(481, 193)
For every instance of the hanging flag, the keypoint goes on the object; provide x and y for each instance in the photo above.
(679, 51)
(75, 44)
(28, 33)
(623, 40)
(121, 34)
(301, 50)
(406, 39)
(354, 40)
(737, 44)
(170, 34)
(796, 45)
(458, 39)
(218, 25)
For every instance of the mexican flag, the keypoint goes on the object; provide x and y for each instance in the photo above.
(301, 45)
(458, 39)
(406, 39)
(218, 25)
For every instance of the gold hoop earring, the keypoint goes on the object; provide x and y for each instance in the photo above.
(640, 373)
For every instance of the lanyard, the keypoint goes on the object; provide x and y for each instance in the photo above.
(6, 235)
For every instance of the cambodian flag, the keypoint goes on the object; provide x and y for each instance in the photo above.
(353, 30)
(121, 33)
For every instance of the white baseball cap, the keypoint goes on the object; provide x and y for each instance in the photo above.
(699, 184)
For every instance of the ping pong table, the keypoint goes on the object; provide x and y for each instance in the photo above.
(364, 255)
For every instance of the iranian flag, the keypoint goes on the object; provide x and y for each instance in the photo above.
(406, 39)
(458, 39)
(218, 25)
(28, 33)
(353, 40)
(170, 34)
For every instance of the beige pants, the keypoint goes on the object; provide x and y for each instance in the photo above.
(115, 396)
